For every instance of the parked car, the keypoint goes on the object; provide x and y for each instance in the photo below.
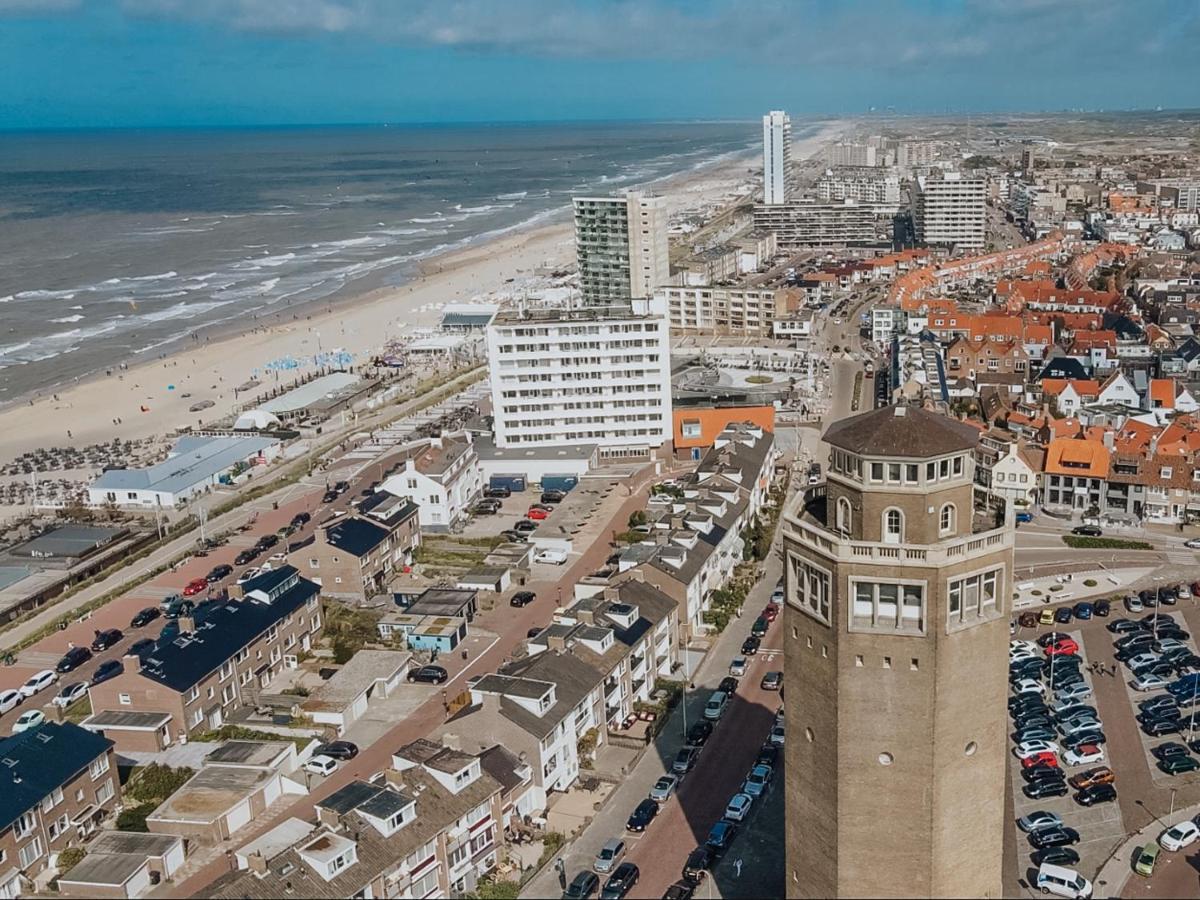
(429, 675)
(1134, 604)
(715, 707)
(1180, 835)
(31, 718)
(582, 886)
(343, 751)
(70, 693)
(1102, 608)
(750, 645)
(1028, 620)
(1178, 765)
(537, 514)
(1145, 858)
(553, 496)
(10, 700)
(485, 508)
(738, 807)
(663, 789)
(757, 781)
(497, 493)
(105, 639)
(610, 855)
(246, 556)
(728, 685)
(110, 668)
(73, 659)
(525, 527)
(1036, 821)
(38, 682)
(620, 882)
(1046, 616)
(738, 666)
(684, 760)
(642, 815)
(522, 598)
(1023, 518)
(1095, 794)
(1082, 610)
(772, 681)
(1054, 836)
(137, 648)
(1046, 787)
(195, 586)
(321, 765)
(1087, 530)
(1055, 856)
(695, 868)
(721, 836)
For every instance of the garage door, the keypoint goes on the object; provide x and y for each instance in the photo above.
(274, 789)
(238, 817)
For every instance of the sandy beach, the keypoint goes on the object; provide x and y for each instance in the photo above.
(140, 396)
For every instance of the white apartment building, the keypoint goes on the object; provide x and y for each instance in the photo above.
(854, 153)
(594, 375)
(443, 477)
(621, 246)
(777, 155)
(738, 311)
(950, 211)
(808, 224)
(882, 191)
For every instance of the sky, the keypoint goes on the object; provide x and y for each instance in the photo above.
(150, 63)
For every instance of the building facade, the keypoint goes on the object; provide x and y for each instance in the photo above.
(807, 224)
(621, 246)
(355, 557)
(736, 311)
(950, 211)
(896, 666)
(584, 376)
(777, 155)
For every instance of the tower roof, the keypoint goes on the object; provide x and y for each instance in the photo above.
(902, 431)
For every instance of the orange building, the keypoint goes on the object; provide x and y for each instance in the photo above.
(694, 428)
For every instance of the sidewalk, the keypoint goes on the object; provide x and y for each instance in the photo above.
(1114, 874)
(1037, 592)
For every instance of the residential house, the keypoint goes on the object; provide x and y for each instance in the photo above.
(443, 477)
(60, 781)
(1074, 475)
(124, 865)
(221, 659)
(355, 557)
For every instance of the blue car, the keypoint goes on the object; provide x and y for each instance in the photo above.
(1188, 684)
(721, 836)
(1083, 610)
(106, 670)
(1023, 517)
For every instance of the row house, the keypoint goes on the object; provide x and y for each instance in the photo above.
(222, 658)
(969, 358)
(60, 783)
(431, 825)
(443, 477)
(356, 557)
(1070, 395)
(1007, 468)
(1075, 474)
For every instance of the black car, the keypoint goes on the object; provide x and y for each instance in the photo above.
(1087, 530)
(497, 493)
(1055, 856)
(300, 519)
(1161, 702)
(525, 527)
(699, 733)
(641, 817)
(1046, 787)
(267, 541)
(137, 648)
(105, 639)
(341, 487)
(145, 617)
(620, 882)
(73, 659)
(515, 537)
(246, 556)
(1177, 765)
(329, 496)
(680, 890)
(1170, 748)
(1040, 772)
(728, 685)
(522, 598)
(1097, 793)
(219, 572)
(695, 869)
(750, 645)
(553, 496)
(341, 750)
(429, 675)
(582, 886)
(1166, 597)
(533, 632)
(768, 754)
(1124, 626)
(1062, 615)
(1102, 608)
(1054, 836)
(106, 670)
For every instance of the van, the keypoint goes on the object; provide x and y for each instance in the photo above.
(1063, 882)
(552, 557)
(715, 707)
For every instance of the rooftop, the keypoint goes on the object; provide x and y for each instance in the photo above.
(212, 792)
(70, 541)
(193, 460)
(355, 536)
(35, 762)
(249, 753)
(327, 387)
(908, 432)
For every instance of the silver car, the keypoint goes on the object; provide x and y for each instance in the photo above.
(610, 856)
(664, 788)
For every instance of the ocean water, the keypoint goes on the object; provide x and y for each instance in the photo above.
(117, 245)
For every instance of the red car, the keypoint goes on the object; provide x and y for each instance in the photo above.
(1063, 647)
(195, 586)
(1040, 759)
(770, 612)
(536, 515)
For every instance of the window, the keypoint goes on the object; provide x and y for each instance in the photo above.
(946, 519)
(691, 428)
(31, 853)
(58, 826)
(193, 694)
(893, 526)
(124, 699)
(25, 824)
(99, 766)
(845, 515)
(973, 596)
(810, 589)
(1165, 472)
(106, 792)
(958, 465)
(876, 471)
(890, 605)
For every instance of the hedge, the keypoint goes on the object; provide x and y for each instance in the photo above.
(1079, 542)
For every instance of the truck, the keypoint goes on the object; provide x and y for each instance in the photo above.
(514, 483)
(559, 482)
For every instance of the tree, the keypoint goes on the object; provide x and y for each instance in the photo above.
(487, 889)
(638, 517)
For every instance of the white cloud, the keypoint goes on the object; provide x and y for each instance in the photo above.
(37, 6)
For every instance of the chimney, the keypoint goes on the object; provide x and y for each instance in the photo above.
(555, 642)
(187, 625)
(327, 816)
(1153, 444)
(257, 863)
(637, 574)
(1109, 440)
(612, 593)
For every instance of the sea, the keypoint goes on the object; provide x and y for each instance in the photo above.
(116, 245)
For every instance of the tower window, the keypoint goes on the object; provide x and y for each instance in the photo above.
(810, 589)
(845, 515)
(974, 596)
(888, 605)
(893, 526)
(946, 520)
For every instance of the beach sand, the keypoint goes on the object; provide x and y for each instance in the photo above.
(139, 396)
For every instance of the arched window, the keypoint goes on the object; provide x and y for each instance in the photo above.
(946, 521)
(845, 515)
(893, 526)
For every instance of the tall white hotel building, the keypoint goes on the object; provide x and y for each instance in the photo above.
(777, 155)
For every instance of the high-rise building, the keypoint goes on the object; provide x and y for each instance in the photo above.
(896, 662)
(807, 224)
(595, 375)
(950, 210)
(621, 246)
(777, 155)
(882, 191)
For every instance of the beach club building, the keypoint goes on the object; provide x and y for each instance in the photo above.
(194, 465)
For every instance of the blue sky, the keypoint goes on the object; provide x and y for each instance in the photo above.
(69, 63)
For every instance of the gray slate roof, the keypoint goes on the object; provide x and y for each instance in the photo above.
(907, 432)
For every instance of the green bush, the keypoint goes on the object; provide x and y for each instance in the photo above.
(1089, 582)
(134, 818)
(155, 783)
(240, 733)
(1079, 542)
(488, 889)
(70, 858)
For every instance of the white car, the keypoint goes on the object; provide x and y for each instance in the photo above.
(550, 557)
(777, 735)
(1021, 654)
(29, 719)
(1166, 645)
(250, 573)
(39, 682)
(738, 807)
(9, 700)
(1028, 686)
(1141, 660)
(321, 765)
(1026, 749)
(1080, 724)
(738, 666)
(1183, 592)
(1148, 683)
(757, 781)
(1192, 544)
(1179, 836)
(1014, 646)
(664, 788)
(1084, 755)
(70, 694)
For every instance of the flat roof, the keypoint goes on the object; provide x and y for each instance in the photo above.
(363, 670)
(486, 448)
(211, 793)
(66, 541)
(106, 869)
(193, 460)
(120, 719)
(133, 842)
(327, 387)
(248, 753)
